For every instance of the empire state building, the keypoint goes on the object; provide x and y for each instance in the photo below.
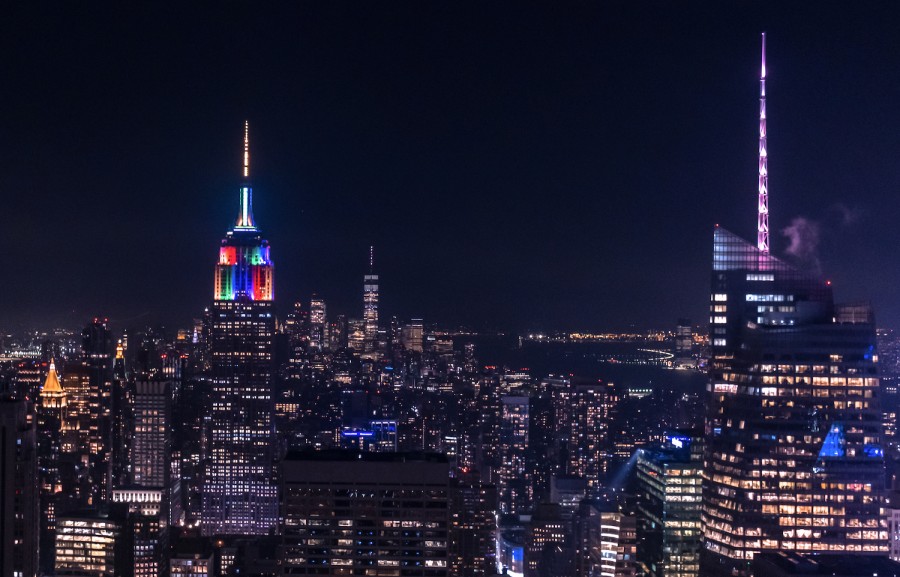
(239, 493)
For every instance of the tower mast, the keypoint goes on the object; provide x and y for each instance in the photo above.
(246, 149)
(245, 216)
(762, 226)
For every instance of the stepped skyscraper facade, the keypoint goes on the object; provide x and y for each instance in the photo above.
(239, 494)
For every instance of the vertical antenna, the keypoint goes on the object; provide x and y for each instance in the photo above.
(246, 149)
(245, 216)
(762, 224)
(371, 259)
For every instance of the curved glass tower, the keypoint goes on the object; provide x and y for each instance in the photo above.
(239, 492)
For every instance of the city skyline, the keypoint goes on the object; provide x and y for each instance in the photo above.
(512, 181)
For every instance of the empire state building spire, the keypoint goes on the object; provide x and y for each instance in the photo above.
(245, 216)
(762, 228)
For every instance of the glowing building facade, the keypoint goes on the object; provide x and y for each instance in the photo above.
(669, 480)
(514, 486)
(370, 306)
(318, 323)
(794, 458)
(239, 494)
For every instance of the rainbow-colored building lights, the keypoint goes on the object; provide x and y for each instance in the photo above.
(245, 270)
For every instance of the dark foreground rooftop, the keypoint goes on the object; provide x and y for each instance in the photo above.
(782, 564)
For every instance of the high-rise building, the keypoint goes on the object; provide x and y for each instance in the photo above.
(669, 478)
(551, 548)
(356, 335)
(514, 475)
(97, 359)
(588, 445)
(347, 513)
(607, 538)
(121, 416)
(84, 442)
(239, 494)
(19, 520)
(794, 456)
(146, 527)
(684, 342)
(794, 434)
(94, 543)
(370, 306)
(318, 323)
(51, 410)
(413, 336)
(473, 526)
(152, 461)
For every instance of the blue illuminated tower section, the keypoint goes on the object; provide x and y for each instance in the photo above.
(240, 496)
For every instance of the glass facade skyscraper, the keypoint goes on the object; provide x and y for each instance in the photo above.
(239, 493)
(794, 458)
(370, 307)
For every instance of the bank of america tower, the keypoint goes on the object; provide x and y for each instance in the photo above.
(794, 458)
(239, 492)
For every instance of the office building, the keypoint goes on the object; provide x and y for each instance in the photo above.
(370, 307)
(19, 493)
(318, 323)
(607, 538)
(152, 460)
(794, 457)
(413, 336)
(551, 547)
(239, 492)
(794, 426)
(51, 410)
(348, 513)
(94, 543)
(669, 478)
(473, 526)
(514, 475)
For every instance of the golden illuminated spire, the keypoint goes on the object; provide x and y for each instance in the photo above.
(120, 350)
(51, 384)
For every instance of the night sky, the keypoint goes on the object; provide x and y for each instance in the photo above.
(554, 166)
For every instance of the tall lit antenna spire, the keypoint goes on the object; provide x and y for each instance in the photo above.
(371, 259)
(246, 149)
(245, 217)
(762, 227)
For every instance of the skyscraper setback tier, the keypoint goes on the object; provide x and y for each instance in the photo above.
(794, 457)
(239, 494)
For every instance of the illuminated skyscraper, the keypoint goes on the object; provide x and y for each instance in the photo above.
(51, 410)
(588, 446)
(318, 323)
(514, 476)
(239, 494)
(152, 465)
(794, 455)
(669, 478)
(370, 306)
